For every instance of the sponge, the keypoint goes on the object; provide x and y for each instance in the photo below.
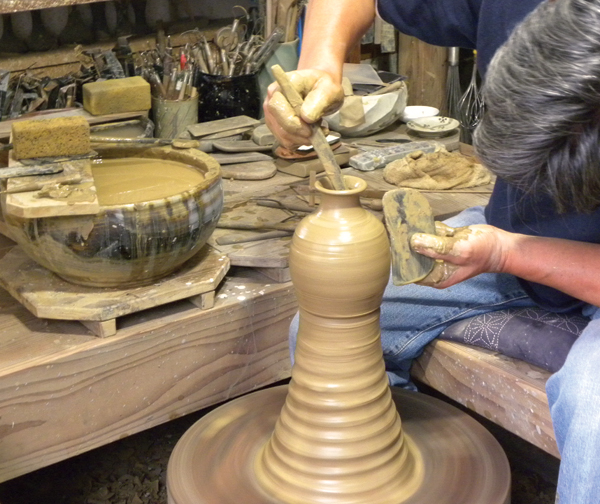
(61, 136)
(130, 94)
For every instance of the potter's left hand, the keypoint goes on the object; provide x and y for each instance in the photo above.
(461, 253)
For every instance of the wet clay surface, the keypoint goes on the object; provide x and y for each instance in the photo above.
(133, 180)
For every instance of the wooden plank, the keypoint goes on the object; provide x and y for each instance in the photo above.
(9, 6)
(425, 67)
(60, 62)
(48, 296)
(78, 199)
(63, 392)
(509, 392)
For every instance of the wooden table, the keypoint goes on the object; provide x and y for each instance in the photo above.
(64, 391)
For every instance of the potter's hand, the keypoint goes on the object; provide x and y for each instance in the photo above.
(461, 253)
(322, 95)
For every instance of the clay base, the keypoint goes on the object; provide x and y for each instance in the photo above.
(213, 463)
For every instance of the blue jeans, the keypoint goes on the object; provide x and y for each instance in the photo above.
(412, 316)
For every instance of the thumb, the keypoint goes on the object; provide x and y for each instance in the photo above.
(431, 245)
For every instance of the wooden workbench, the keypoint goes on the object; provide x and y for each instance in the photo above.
(64, 391)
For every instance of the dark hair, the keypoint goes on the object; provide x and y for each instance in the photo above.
(541, 130)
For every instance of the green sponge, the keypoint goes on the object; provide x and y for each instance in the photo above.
(131, 94)
(61, 136)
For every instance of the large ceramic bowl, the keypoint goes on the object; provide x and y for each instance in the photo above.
(131, 244)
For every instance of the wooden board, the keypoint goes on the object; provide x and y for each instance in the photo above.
(272, 253)
(220, 125)
(509, 392)
(29, 205)
(10, 6)
(48, 296)
(64, 392)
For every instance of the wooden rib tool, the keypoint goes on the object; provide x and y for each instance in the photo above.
(319, 142)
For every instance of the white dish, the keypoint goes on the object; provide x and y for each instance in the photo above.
(433, 126)
(417, 112)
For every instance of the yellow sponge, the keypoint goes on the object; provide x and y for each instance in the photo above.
(61, 136)
(117, 95)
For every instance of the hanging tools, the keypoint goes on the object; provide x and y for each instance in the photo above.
(470, 106)
(453, 91)
(319, 142)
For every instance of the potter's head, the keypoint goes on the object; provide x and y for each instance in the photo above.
(541, 131)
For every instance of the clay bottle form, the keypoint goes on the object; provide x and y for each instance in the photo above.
(339, 437)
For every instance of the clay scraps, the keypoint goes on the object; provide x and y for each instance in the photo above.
(438, 170)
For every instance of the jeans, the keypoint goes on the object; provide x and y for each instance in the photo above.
(412, 316)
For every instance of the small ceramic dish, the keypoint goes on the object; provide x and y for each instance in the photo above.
(433, 126)
(413, 112)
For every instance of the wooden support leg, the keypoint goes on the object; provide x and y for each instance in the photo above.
(204, 301)
(101, 328)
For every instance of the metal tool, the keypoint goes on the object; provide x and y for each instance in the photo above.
(453, 91)
(319, 142)
(407, 212)
(470, 106)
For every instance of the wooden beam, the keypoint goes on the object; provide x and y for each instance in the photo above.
(509, 392)
(64, 392)
(10, 6)
(425, 66)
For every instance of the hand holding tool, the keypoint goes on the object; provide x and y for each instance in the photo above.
(319, 141)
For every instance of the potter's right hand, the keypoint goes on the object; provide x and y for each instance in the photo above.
(322, 94)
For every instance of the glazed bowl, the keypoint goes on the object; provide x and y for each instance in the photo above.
(132, 244)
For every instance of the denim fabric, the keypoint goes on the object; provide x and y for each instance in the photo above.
(574, 397)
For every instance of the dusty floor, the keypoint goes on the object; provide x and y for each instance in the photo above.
(133, 470)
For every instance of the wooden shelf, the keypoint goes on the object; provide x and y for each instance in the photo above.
(10, 6)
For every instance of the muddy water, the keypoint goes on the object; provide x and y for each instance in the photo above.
(133, 180)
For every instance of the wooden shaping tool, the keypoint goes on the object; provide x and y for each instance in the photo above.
(318, 139)
(407, 212)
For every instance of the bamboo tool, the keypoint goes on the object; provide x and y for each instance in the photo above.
(319, 142)
(453, 91)
(470, 106)
(178, 143)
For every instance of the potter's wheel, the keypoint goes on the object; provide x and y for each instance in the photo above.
(213, 463)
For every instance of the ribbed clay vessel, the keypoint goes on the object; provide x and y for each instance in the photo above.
(339, 438)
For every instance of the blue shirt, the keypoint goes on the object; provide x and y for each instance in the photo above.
(485, 25)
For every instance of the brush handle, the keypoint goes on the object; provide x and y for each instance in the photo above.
(319, 142)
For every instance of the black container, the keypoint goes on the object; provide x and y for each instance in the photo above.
(221, 96)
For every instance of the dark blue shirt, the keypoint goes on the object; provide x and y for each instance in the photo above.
(485, 25)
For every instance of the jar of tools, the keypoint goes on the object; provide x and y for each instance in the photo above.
(224, 96)
(175, 109)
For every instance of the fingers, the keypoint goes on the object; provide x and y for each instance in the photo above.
(283, 122)
(440, 276)
(432, 245)
(322, 95)
(442, 229)
(324, 98)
